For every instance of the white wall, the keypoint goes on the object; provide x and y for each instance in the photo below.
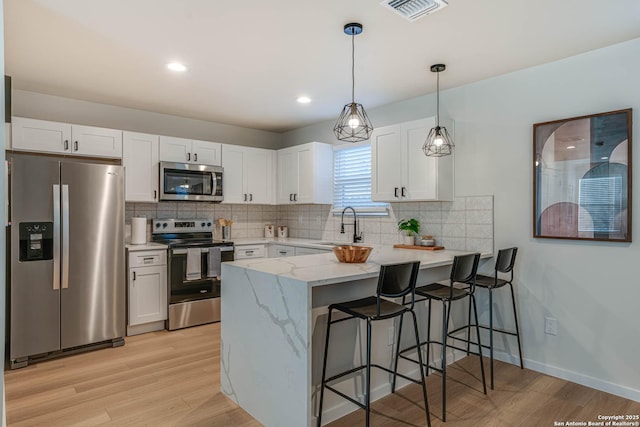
(58, 109)
(591, 288)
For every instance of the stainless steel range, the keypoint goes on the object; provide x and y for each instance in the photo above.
(193, 269)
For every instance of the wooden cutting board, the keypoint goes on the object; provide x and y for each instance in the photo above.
(424, 248)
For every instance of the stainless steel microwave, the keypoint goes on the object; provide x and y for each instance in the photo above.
(185, 181)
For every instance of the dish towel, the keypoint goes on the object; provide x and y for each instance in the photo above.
(213, 260)
(194, 267)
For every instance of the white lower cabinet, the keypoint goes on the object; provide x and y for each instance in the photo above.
(276, 251)
(147, 291)
(250, 251)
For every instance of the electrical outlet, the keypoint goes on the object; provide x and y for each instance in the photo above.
(550, 326)
(390, 335)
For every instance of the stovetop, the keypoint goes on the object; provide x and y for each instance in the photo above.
(183, 233)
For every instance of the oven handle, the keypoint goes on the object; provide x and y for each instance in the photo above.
(202, 250)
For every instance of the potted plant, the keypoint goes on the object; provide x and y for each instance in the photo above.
(409, 228)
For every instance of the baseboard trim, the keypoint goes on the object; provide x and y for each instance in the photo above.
(565, 374)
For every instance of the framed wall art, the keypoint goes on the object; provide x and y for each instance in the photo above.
(582, 178)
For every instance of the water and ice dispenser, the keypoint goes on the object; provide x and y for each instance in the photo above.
(36, 241)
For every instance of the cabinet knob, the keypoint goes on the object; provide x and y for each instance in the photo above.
(76, 145)
(395, 192)
(134, 275)
(189, 157)
(250, 197)
(245, 197)
(195, 157)
(403, 192)
(66, 144)
(155, 194)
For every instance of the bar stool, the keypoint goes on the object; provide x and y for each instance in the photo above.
(504, 264)
(394, 281)
(463, 272)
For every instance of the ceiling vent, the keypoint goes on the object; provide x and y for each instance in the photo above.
(414, 9)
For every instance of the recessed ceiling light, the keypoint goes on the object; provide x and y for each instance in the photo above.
(303, 99)
(176, 66)
(571, 147)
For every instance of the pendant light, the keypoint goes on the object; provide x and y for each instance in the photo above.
(353, 125)
(439, 143)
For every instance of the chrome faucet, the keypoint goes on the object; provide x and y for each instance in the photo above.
(357, 237)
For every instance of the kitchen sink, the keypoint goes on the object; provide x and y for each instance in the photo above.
(333, 243)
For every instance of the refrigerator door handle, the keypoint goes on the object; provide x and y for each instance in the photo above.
(56, 237)
(65, 236)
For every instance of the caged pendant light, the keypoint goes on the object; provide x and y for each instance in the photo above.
(439, 143)
(353, 125)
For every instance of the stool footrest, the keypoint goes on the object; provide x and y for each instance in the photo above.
(359, 368)
(349, 398)
(502, 331)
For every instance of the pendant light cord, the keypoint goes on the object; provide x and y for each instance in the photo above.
(438, 99)
(353, 67)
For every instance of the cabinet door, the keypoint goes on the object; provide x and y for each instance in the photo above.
(426, 178)
(233, 181)
(305, 167)
(96, 142)
(206, 153)
(387, 163)
(421, 171)
(147, 294)
(277, 251)
(258, 173)
(140, 159)
(175, 149)
(41, 136)
(287, 176)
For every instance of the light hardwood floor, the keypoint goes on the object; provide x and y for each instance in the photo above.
(172, 379)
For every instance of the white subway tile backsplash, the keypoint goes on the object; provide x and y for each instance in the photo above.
(480, 231)
(453, 243)
(479, 245)
(480, 217)
(464, 224)
(453, 217)
(454, 230)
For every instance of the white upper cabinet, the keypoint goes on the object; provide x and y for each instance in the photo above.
(305, 174)
(401, 172)
(181, 150)
(140, 159)
(248, 175)
(63, 138)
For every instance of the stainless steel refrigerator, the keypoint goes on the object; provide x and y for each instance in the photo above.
(67, 268)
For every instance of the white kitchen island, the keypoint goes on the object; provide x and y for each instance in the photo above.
(274, 321)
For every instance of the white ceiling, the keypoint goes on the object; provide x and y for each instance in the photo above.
(249, 60)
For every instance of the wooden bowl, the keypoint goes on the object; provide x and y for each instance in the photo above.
(352, 254)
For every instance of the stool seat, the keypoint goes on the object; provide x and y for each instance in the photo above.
(490, 281)
(367, 308)
(441, 292)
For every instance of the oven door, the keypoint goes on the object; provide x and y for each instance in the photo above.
(184, 181)
(182, 290)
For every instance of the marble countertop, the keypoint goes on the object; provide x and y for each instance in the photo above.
(149, 246)
(324, 269)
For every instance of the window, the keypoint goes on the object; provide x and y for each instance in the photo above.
(352, 180)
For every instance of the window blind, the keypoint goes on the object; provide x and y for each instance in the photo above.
(352, 180)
